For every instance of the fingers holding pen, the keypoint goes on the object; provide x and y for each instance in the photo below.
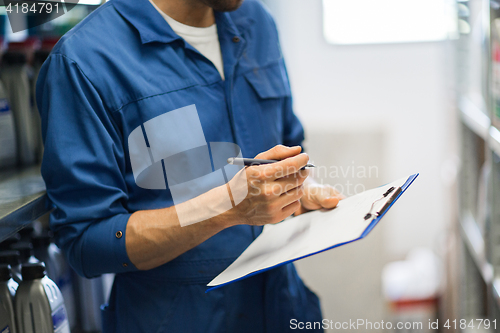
(278, 206)
(279, 152)
(280, 186)
(283, 168)
(275, 189)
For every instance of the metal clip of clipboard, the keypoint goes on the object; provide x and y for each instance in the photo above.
(395, 192)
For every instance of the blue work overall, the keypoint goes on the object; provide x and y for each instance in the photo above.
(120, 67)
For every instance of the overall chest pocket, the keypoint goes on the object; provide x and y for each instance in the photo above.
(269, 90)
(270, 81)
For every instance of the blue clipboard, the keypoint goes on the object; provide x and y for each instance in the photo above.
(395, 196)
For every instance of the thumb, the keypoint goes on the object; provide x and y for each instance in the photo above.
(327, 197)
(328, 202)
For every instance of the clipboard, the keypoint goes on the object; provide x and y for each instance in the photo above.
(314, 232)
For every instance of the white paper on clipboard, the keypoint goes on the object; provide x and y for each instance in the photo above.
(311, 233)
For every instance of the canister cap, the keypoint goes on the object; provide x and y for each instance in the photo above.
(42, 240)
(5, 272)
(32, 271)
(10, 257)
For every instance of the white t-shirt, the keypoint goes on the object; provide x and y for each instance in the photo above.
(205, 40)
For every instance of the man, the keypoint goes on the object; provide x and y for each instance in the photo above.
(127, 63)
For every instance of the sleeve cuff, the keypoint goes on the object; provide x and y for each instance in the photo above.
(104, 249)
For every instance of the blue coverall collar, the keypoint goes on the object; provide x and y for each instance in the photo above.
(152, 28)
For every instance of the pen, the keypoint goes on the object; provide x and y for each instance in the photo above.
(252, 161)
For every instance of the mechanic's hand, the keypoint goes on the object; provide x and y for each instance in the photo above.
(274, 190)
(318, 196)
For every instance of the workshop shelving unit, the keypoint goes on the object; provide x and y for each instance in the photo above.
(22, 199)
(22, 191)
(479, 184)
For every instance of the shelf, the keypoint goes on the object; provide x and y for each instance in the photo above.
(22, 199)
(475, 245)
(474, 118)
(474, 241)
(495, 286)
(494, 141)
(478, 122)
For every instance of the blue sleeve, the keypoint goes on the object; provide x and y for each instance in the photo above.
(83, 168)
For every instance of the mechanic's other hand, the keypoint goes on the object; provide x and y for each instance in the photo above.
(319, 196)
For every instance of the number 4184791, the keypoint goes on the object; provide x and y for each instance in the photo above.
(473, 323)
(35, 8)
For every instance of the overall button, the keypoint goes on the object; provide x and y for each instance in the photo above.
(236, 39)
(119, 234)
